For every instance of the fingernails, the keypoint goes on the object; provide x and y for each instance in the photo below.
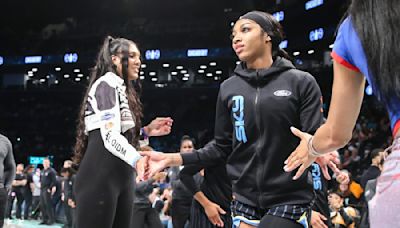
(286, 168)
(295, 178)
(286, 162)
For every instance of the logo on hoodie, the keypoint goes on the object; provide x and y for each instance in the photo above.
(238, 115)
(282, 93)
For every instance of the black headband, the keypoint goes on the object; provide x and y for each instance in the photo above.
(260, 19)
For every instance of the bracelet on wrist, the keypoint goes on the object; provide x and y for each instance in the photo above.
(311, 149)
(143, 134)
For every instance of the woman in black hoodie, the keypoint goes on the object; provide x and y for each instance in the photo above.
(255, 108)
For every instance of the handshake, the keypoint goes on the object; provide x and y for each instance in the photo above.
(153, 162)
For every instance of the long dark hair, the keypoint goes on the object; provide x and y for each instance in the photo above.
(377, 24)
(104, 64)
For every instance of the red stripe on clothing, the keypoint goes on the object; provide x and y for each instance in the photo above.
(396, 127)
(343, 62)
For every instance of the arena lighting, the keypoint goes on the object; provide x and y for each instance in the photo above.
(316, 34)
(79, 75)
(33, 59)
(279, 16)
(152, 73)
(186, 75)
(30, 73)
(197, 52)
(66, 75)
(313, 4)
(296, 53)
(1, 60)
(71, 58)
(200, 71)
(154, 79)
(310, 52)
(216, 78)
(237, 62)
(185, 78)
(218, 72)
(143, 66)
(48, 76)
(203, 67)
(183, 71)
(77, 79)
(213, 63)
(283, 44)
(56, 82)
(174, 73)
(57, 69)
(34, 69)
(152, 54)
(77, 70)
(368, 90)
(179, 67)
(141, 77)
(165, 65)
(209, 74)
(42, 80)
(141, 73)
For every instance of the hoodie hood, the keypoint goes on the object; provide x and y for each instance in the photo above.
(278, 66)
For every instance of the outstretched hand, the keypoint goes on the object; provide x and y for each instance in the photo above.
(330, 160)
(142, 168)
(213, 212)
(159, 126)
(158, 161)
(300, 157)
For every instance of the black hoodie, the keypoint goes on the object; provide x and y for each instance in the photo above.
(255, 110)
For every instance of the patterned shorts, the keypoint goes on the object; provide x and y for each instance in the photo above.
(251, 215)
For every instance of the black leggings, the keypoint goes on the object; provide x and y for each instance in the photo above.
(104, 188)
(275, 221)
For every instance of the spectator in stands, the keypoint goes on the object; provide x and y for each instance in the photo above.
(341, 216)
(375, 169)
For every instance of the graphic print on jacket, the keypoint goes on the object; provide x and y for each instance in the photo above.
(108, 110)
(238, 116)
(274, 99)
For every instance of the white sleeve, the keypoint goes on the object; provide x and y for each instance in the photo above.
(105, 103)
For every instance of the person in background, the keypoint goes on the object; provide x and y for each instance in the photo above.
(28, 191)
(17, 191)
(181, 196)
(7, 173)
(35, 186)
(341, 216)
(48, 184)
(375, 169)
(67, 174)
(144, 215)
